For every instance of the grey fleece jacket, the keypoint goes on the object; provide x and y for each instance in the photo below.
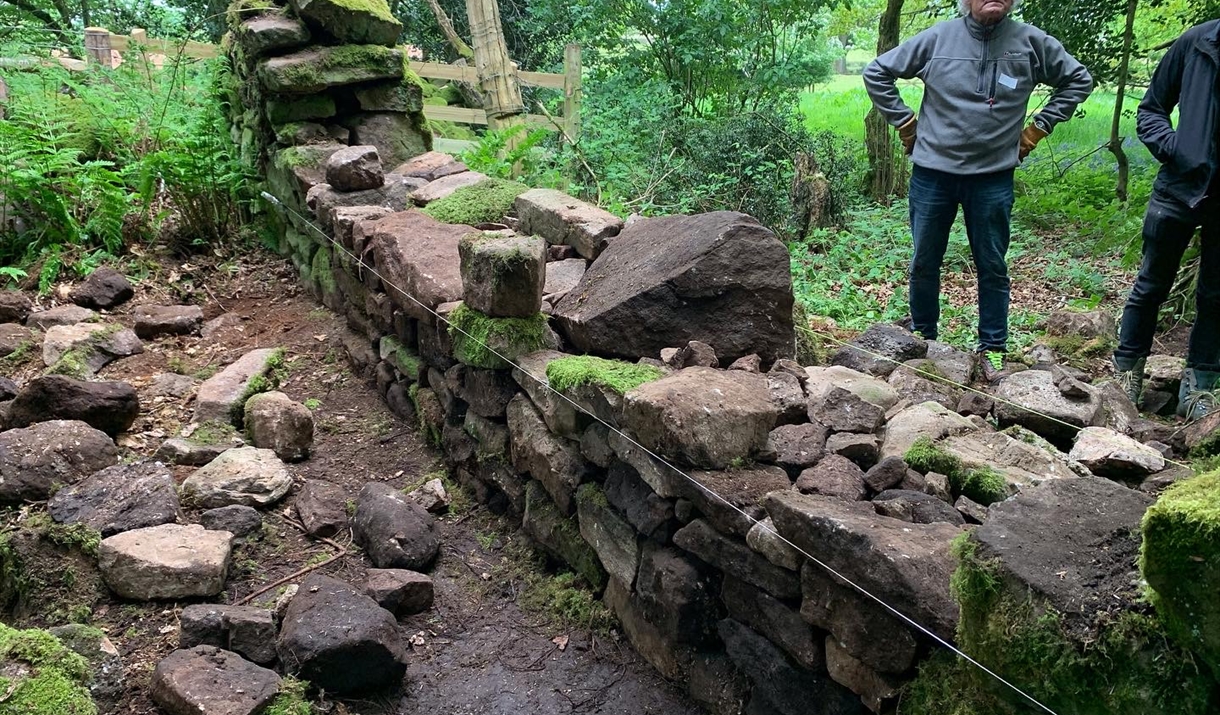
(977, 84)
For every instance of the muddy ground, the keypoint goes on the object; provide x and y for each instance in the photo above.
(477, 652)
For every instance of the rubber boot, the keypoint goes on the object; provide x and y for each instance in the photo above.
(1198, 397)
(1130, 374)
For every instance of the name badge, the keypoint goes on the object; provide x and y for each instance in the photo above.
(1009, 82)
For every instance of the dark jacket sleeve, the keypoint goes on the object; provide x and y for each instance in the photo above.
(1152, 122)
(905, 61)
(1070, 82)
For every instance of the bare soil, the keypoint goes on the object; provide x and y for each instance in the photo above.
(477, 652)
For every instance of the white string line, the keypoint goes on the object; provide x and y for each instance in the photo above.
(546, 385)
(941, 378)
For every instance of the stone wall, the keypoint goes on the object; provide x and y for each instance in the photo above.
(482, 333)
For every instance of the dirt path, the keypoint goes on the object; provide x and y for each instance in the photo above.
(476, 652)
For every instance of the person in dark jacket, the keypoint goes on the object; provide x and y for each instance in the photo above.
(979, 72)
(1185, 197)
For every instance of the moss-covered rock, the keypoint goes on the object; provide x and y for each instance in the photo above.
(40, 676)
(322, 274)
(286, 110)
(402, 96)
(983, 484)
(1180, 559)
(1048, 600)
(352, 21)
(319, 68)
(482, 341)
(560, 536)
(488, 201)
(574, 371)
(503, 276)
(403, 358)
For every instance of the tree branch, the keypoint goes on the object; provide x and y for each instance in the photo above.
(446, 24)
(33, 10)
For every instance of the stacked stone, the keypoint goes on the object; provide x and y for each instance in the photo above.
(310, 78)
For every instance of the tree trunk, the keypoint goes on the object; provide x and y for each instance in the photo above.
(1120, 92)
(886, 166)
(841, 61)
(497, 74)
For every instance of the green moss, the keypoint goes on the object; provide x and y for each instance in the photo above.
(270, 379)
(323, 276)
(1118, 663)
(984, 485)
(1077, 350)
(14, 582)
(924, 457)
(574, 371)
(488, 201)
(72, 363)
(378, 8)
(403, 358)
(1180, 561)
(72, 536)
(213, 432)
(477, 338)
(56, 683)
(245, 9)
(292, 700)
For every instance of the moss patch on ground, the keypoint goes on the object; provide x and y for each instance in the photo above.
(1180, 560)
(477, 338)
(577, 370)
(292, 700)
(488, 201)
(55, 681)
(1122, 665)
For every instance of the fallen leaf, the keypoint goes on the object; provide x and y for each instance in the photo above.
(561, 642)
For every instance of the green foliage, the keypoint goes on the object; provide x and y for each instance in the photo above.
(477, 338)
(574, 371)
(567, 600)
(488, 201)
(99, 160)
(983, 485)
(71, 536)
(213, 432)
(56, 681)
(492, 155)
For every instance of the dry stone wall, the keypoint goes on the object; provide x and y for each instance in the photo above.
(627, 391)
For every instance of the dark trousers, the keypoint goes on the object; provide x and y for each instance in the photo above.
(1169, 226)
(986, 202)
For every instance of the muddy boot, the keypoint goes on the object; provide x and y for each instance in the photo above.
(1198, 396)
(1130, 374)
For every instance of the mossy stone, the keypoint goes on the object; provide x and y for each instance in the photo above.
(488, 201)
(352, 21)
(560, 536)
(321, 68)
(503, 275)
(405, 359)
(404, 96)
(285, 110)
(480, 340)
(1180, 559)
(574, 371)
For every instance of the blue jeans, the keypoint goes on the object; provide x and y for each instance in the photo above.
(1169, 226)
(986, 202)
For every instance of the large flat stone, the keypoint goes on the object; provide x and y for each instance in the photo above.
(610, 535)
(560, 536)
(1031, 399)
(89, 347)
(928, 419)
(320, 68)
(702, 417)
(369, 21)
(561, 219)
(246, 476)
(1109, 454)
(1022, 464)
(772, 618)
(419, 255)
(906, 565)
(166, 562)
(865, 629)
(35, 459)
(111, 407)
(118, 499)
(719, 278)
(555, 462)
(397, 136)
(732, 499)
(206, 680)
(736, 560)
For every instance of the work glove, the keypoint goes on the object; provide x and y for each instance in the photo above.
(1029, 139)
(906, 133)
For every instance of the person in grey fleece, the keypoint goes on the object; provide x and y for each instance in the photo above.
(978, 72)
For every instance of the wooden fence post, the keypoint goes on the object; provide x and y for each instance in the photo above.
(572, 91)
(497, 76)
(3, 96)
(97, 46)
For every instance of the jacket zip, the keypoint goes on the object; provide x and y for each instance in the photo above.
(983, 66)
